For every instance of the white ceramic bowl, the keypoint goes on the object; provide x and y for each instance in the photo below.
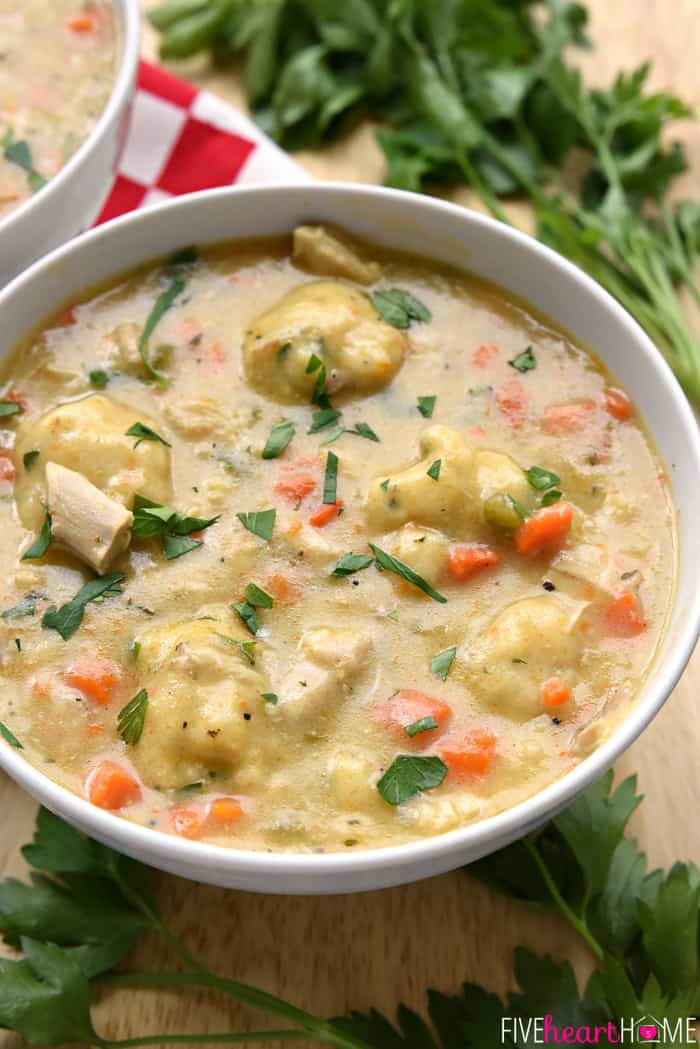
(453, 235)
(71, 200)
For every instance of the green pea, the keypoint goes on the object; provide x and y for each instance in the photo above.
(503, 511)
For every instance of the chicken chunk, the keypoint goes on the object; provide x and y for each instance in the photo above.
(322, 252)
(361, 352)
(332, 659)
(413, 495)
(204, 701)
(531, 640)
(89, 437)
(423, 549)
(85, 520)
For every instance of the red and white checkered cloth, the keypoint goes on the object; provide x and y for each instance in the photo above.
(182, 139)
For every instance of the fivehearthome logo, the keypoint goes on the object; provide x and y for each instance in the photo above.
(640, 1031)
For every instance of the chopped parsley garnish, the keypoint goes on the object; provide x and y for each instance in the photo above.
(256, 598)
(25, 607)
(176, 269)
(10, 408)
(422, 725)
(319, 395)
(42, 541)
(399, 308)
(551, 497)
(29, 458)
(98, 378)
(246, 648)
(17, 152)
(322, 418)
(393, 564)
(10, 737)
(516, 505)
(259, 522)
(196, 784)
(330, 481)
(174, 529)
(525, 361)
(385, 485)
(270, 697)
(145, 433)
(134, 650)
(280, 436)
(131, 718)
(364, 430)
(350, 563)
(441, 663)
(408, 775)
(434, 470)
(426, 406)
(541, 479)
(68, 617)
(334, 435)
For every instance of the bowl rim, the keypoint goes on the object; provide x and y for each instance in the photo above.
(159, 848)
(127, 67)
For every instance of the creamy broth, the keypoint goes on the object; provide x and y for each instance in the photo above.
(512, 521)
(57, 63)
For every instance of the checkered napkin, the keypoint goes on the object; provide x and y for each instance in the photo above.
(182, 139)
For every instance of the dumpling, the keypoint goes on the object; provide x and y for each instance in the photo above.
(360, 351)
(89, 437)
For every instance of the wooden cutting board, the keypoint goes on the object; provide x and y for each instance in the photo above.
(331, 954)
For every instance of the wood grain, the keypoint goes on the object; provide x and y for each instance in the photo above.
(335, 953)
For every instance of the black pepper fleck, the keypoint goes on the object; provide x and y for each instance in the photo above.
(247, 716)
(549, 585)
(556, 721)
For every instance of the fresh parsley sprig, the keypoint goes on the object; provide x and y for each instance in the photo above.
(66, 619)
(172, 527)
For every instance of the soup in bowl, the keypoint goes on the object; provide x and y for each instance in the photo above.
(327, 564)
(66, 76)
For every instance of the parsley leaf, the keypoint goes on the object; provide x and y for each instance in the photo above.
(258, 597)
(421, 725)
(540, 479)
(145, 433)
(175, 546)
(248, 615)
(330, 481)
(246, 648)
(174, 528)
(323, 418)
(259, 522)
(551, 497)
(364, 430)
(98, 378)
(525, 361)
(410, 774)
(399, 308)
(350, 563)
(131, 718)
(176, 270)
(17, 152)
(41, 543)
(280, 436)
(68, 617)
(393, 564)
(270, 697)
(8, 408)
(434, 470)
(26, 607)
(10, 737)
(318, 395)
(441, 664)
(426, 406)
(29, 458)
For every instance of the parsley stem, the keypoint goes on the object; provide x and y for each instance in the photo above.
(322, 1030)
(578, 924)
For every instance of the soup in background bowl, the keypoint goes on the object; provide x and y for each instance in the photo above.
(66, 77)
(312, 546)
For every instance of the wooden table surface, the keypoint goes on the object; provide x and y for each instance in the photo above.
(330, 954)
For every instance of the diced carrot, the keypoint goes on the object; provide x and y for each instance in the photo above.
(485, 354)
(623, 615)
(41, 687)
(192, 821)
(109, 786)
(188, 822)
(280, 586)
(295, 485)
(545, 530)
(325, 514)
(224, 811)
(84, 22)
(618, 403)
(408, 706)
(555, 692)
(511, 401)
(466, 559)
(469, 755)
(294, 527)
(7, 467)
(98, 679)
(567, 418)
(94, 730)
